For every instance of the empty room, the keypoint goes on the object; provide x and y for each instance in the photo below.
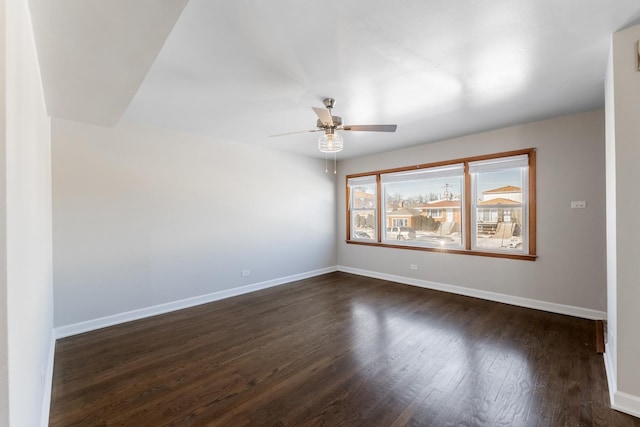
(289, 213)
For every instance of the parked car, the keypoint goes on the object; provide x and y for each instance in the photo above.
(400, 233)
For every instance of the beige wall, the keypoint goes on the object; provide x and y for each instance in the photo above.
(144, 217)
(623, 234)
(570, 269)
(28, 283)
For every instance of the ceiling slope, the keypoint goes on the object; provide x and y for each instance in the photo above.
(94, 54)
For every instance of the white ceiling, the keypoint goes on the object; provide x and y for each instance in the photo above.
(247, 69)
(94, 54)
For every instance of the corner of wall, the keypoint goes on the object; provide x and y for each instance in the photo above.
(48, 381)
(621, 103)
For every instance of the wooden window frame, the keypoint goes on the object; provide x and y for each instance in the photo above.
(467, 250)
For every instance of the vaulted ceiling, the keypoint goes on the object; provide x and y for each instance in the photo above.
(243, 70)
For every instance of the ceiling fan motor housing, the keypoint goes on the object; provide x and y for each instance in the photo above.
(337, 121)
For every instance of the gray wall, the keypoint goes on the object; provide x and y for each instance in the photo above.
(26, 343)
(144, 217)
(570, 268)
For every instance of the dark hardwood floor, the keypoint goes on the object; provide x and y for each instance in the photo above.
(337, 350)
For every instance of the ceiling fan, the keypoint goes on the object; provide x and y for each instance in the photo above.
(331, 141)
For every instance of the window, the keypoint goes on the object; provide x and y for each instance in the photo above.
(434, 213)
(482, 205)
(410, 195)
(499, 203)
(363, 206)
(400, 222)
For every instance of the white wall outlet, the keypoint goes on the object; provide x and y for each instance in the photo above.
(413, 266)
(578, 204)
(245, 273)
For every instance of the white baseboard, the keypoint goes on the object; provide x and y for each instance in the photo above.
(48, 382)
(609, 369)
(570, 310)
(627, 403)
(103, 322)
(620, 401)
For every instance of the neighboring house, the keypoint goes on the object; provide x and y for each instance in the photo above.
(508, 192)
(443, 210)
(402, 217)
(502, 205)
(499, 205)
(363, 199)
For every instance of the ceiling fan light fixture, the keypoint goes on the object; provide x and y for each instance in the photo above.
(330, 143)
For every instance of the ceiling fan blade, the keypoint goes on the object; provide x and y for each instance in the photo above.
(324, 115)
(293, 133)
(371, 128)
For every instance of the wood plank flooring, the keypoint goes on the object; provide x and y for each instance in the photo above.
(337, 350)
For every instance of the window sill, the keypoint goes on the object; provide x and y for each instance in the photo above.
(524, 257)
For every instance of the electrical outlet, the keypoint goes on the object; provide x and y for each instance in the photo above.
(578, 204)
(245, 273)
(413, 266)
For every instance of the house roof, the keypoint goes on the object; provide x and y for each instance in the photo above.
(443, 204)
(505, 189)
(499, 201)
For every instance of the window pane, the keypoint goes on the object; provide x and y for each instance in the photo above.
(425, 212)
(502, 231)
(505, 184)
(364, 197)
(363, 212)
(363, 224)
(500, 206)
